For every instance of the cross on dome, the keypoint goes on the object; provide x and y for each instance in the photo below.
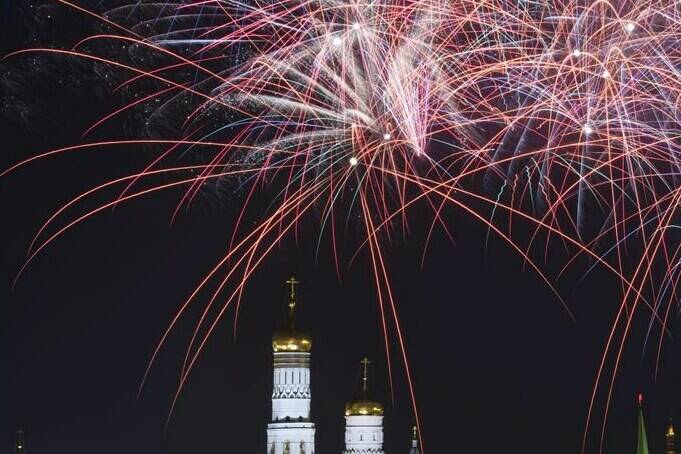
(365, 377)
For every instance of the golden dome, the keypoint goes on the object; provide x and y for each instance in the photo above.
(363, 408)
(290, 341)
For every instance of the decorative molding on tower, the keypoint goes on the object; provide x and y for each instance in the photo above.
(291, 392)
(364, 451)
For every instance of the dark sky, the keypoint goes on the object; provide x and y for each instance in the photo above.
(499, 364)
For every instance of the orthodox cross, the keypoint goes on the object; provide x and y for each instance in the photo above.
(365, 377)
(292, 281)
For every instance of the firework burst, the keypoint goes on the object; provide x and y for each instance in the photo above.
(566, 112)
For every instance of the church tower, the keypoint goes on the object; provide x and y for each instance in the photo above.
(291, 430)
(364, 421)
(670, 436)
(414, 441)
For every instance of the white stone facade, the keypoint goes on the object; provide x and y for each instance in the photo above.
(363, 435)
(291, 430)
(290, 438)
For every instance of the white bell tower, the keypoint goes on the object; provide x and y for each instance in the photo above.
(291, 430)
(364, 422)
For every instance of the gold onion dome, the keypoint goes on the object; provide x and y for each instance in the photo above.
(364, 406)
(290, 340)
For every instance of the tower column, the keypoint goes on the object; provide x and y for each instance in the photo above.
(291, 430)
(364, 421)
(291, 391)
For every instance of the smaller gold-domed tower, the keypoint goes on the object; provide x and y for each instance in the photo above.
(363, 406)
(364, 421)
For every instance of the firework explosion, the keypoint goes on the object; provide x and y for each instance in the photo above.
(562, 114)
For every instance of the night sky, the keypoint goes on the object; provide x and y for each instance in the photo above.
(499, 364)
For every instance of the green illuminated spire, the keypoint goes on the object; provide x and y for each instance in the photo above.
(642, 441)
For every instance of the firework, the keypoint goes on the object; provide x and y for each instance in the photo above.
(562, 114)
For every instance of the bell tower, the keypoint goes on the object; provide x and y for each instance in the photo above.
(364, 421)
(291, 430)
